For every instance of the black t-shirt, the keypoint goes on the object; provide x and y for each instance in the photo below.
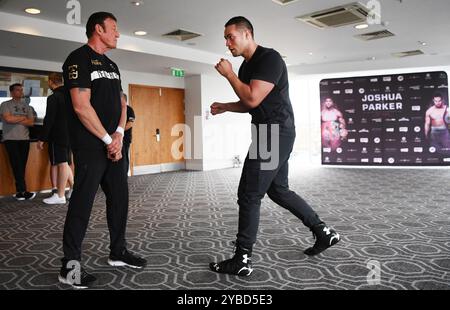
(267, 65)
(84, 68)
(129, 133)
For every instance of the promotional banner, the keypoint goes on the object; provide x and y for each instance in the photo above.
(388, 120)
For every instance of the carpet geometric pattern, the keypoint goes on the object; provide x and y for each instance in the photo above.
(398, 220)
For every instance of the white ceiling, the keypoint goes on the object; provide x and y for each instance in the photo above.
(410, 20)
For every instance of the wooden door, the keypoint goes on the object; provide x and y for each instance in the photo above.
(172, 113)
(145, 147)
(157, 111)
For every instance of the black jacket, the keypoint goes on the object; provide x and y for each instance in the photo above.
(55, 128)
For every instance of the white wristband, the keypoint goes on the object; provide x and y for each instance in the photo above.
(107, 139)
(120, 130)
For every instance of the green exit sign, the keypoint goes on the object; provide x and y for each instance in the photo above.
(177, 72)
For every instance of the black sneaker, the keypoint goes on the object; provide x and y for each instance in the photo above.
(29, 196)
(240, 264)
(67, 276)
(126, 259)
(19, 196)
(325, 238)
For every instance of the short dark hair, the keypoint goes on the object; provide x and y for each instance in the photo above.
(435, 95)
(97, 18)
(56, 77)
(11, 88)
(241, 22)
(125, 96)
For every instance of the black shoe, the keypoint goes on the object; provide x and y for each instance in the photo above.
(325, 238)
(240, 264)
(126, 259)
(19, 196)
(68, 276)
(29, 196)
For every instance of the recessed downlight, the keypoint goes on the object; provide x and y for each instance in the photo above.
(33, 11)
(137, 3)
(362, 26)
(140, 33)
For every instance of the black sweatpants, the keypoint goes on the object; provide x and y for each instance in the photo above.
(18, 156)
(93, 168)
(256, 182)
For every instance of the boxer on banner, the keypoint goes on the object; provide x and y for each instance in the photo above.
(436, 129)
(333, 125)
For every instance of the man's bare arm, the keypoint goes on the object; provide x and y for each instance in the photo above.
(81, 100)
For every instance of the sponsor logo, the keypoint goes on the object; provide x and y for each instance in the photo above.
(400, 78)
(377, 140)
(391, 120)
(415, 87)
(404, 119)
(378, 160)
(417, 129)
(374, 80)
(339, 150)
(349, 91)
(364, 140)
(336, 92)
(351, 140)
(352, 111)
(390, 129)
(404, 150)
(362, 90)
(418, 150)
(391, 160)
(377, 120)
(416, 108)
(404, 140)
(387, 79)
(364, 160)
(432, 149)
(363, 130)
(403, 129)
(327, 150)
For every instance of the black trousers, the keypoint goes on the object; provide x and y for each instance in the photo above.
(18, 156)
(256, 182)
(126, 156)
(93, 168)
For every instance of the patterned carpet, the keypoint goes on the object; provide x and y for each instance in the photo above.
(399, 219)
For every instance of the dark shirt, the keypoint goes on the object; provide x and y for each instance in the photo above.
(55, 128)
(267, 65)
(84, 68)
(129, 133)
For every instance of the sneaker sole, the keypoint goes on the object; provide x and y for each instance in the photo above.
(118, 263)
(64, 281)
(32, 197)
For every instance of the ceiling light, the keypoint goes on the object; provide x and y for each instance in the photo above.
(33, 11)
(422, 43)
(372, 58)
(137, 3)
(310, 53)
(362, 26)
(140, 33)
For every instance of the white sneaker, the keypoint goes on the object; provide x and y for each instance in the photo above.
(55, 200)
(69, 194)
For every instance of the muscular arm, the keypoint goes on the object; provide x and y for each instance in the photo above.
(28, 122)
(250, 95)
(238, 107)
(81, 100)
(427, 124)
(341, 120)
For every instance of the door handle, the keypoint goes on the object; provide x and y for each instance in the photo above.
(158, 135)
